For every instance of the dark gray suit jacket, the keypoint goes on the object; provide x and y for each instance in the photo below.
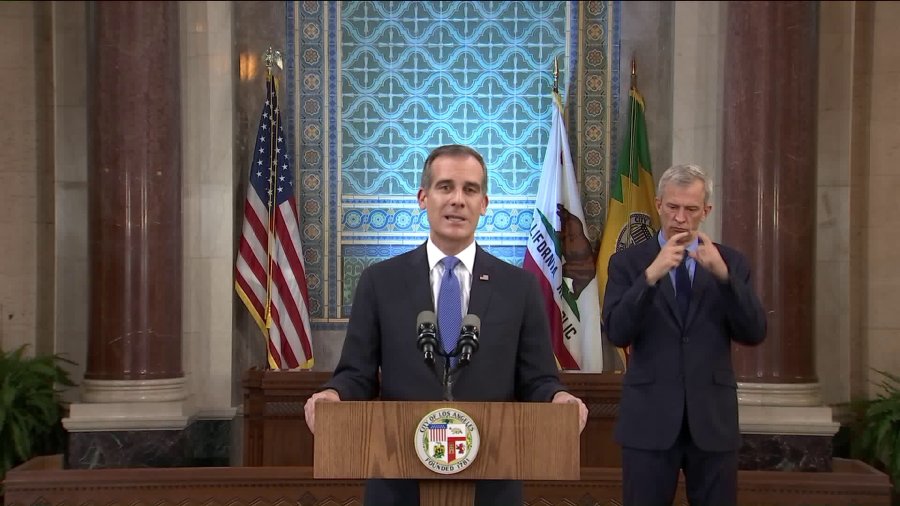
(676, 363)
(514, 361)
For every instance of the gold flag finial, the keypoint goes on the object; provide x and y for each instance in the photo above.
(273, 58)
(555, 76)
(633, 74)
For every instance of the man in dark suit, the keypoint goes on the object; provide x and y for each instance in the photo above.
(514, 361)
(678, 302)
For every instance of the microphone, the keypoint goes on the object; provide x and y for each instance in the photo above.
(468, 339)
(427, 340)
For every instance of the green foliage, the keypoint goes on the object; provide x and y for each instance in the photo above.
(877, 435)
(30, 412)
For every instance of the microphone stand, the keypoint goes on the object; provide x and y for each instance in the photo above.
(447, 380)
(449, 373)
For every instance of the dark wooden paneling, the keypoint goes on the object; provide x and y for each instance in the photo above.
(275, 432)
(41, 481)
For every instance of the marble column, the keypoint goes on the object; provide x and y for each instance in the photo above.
(134, 378)
(134, 182)
(768, 212)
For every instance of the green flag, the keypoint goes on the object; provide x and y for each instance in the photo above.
(631, 215)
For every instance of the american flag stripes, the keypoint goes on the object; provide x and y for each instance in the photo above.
(269, 273)
(437, 431)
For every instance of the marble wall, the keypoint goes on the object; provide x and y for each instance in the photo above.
(858, 286)
(833, 253)
(881, 319)
(208, 192)
(70, 185)
(646, 32)
(698, 79)
(19, 153)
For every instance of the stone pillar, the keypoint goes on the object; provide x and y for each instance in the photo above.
(134, 200)
(134, 378)
(768, 212)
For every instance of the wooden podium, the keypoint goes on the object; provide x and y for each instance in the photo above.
(519, 441)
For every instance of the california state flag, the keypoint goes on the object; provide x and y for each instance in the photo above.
(560, 255)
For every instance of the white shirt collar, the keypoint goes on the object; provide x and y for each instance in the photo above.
(466, 256)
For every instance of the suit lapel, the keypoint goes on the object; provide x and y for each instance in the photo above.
(668, 291)
(418, 287)
(665, 284)
(481, 291)
(480, 294)
(417, 281)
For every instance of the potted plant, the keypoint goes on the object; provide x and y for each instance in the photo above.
(876, 437)
(30, 409)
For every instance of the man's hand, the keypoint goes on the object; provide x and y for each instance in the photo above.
(567, 398)
(708, 256)
(309, 409)
(671, 254)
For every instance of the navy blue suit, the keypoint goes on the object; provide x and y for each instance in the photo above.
(514, 361)
(680, 384)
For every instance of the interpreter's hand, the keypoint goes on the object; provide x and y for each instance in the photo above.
(309, 410)
(567, 398)
(708, 256)
(671, 254)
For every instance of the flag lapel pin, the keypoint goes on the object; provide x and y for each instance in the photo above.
(484, 277)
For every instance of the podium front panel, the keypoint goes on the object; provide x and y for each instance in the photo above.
(518, 440)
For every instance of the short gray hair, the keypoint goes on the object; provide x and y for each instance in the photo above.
(684, 175)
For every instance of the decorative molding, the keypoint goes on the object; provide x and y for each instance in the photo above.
(787, 420)
(106, 391)
(115, 416)
(779, 394)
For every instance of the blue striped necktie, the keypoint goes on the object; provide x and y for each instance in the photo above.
(449, 307)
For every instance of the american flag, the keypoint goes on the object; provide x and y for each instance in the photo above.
(437, 431)
(269, 274)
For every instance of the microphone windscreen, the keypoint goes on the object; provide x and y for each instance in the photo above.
(425, 317)
(471, 319)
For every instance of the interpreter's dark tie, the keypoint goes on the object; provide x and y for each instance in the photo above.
(449, 307)
(683, 288)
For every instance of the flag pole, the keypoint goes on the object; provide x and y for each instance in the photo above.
(269, 57)
(631, 150)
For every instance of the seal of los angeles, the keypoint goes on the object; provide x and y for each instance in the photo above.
(447, 440)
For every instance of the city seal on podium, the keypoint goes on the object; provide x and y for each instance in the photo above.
(447, 440)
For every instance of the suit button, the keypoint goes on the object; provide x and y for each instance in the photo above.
(684, 339)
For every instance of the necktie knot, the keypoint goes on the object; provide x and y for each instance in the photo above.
(449, 264)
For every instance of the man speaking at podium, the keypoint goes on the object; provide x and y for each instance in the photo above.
(452, 276)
